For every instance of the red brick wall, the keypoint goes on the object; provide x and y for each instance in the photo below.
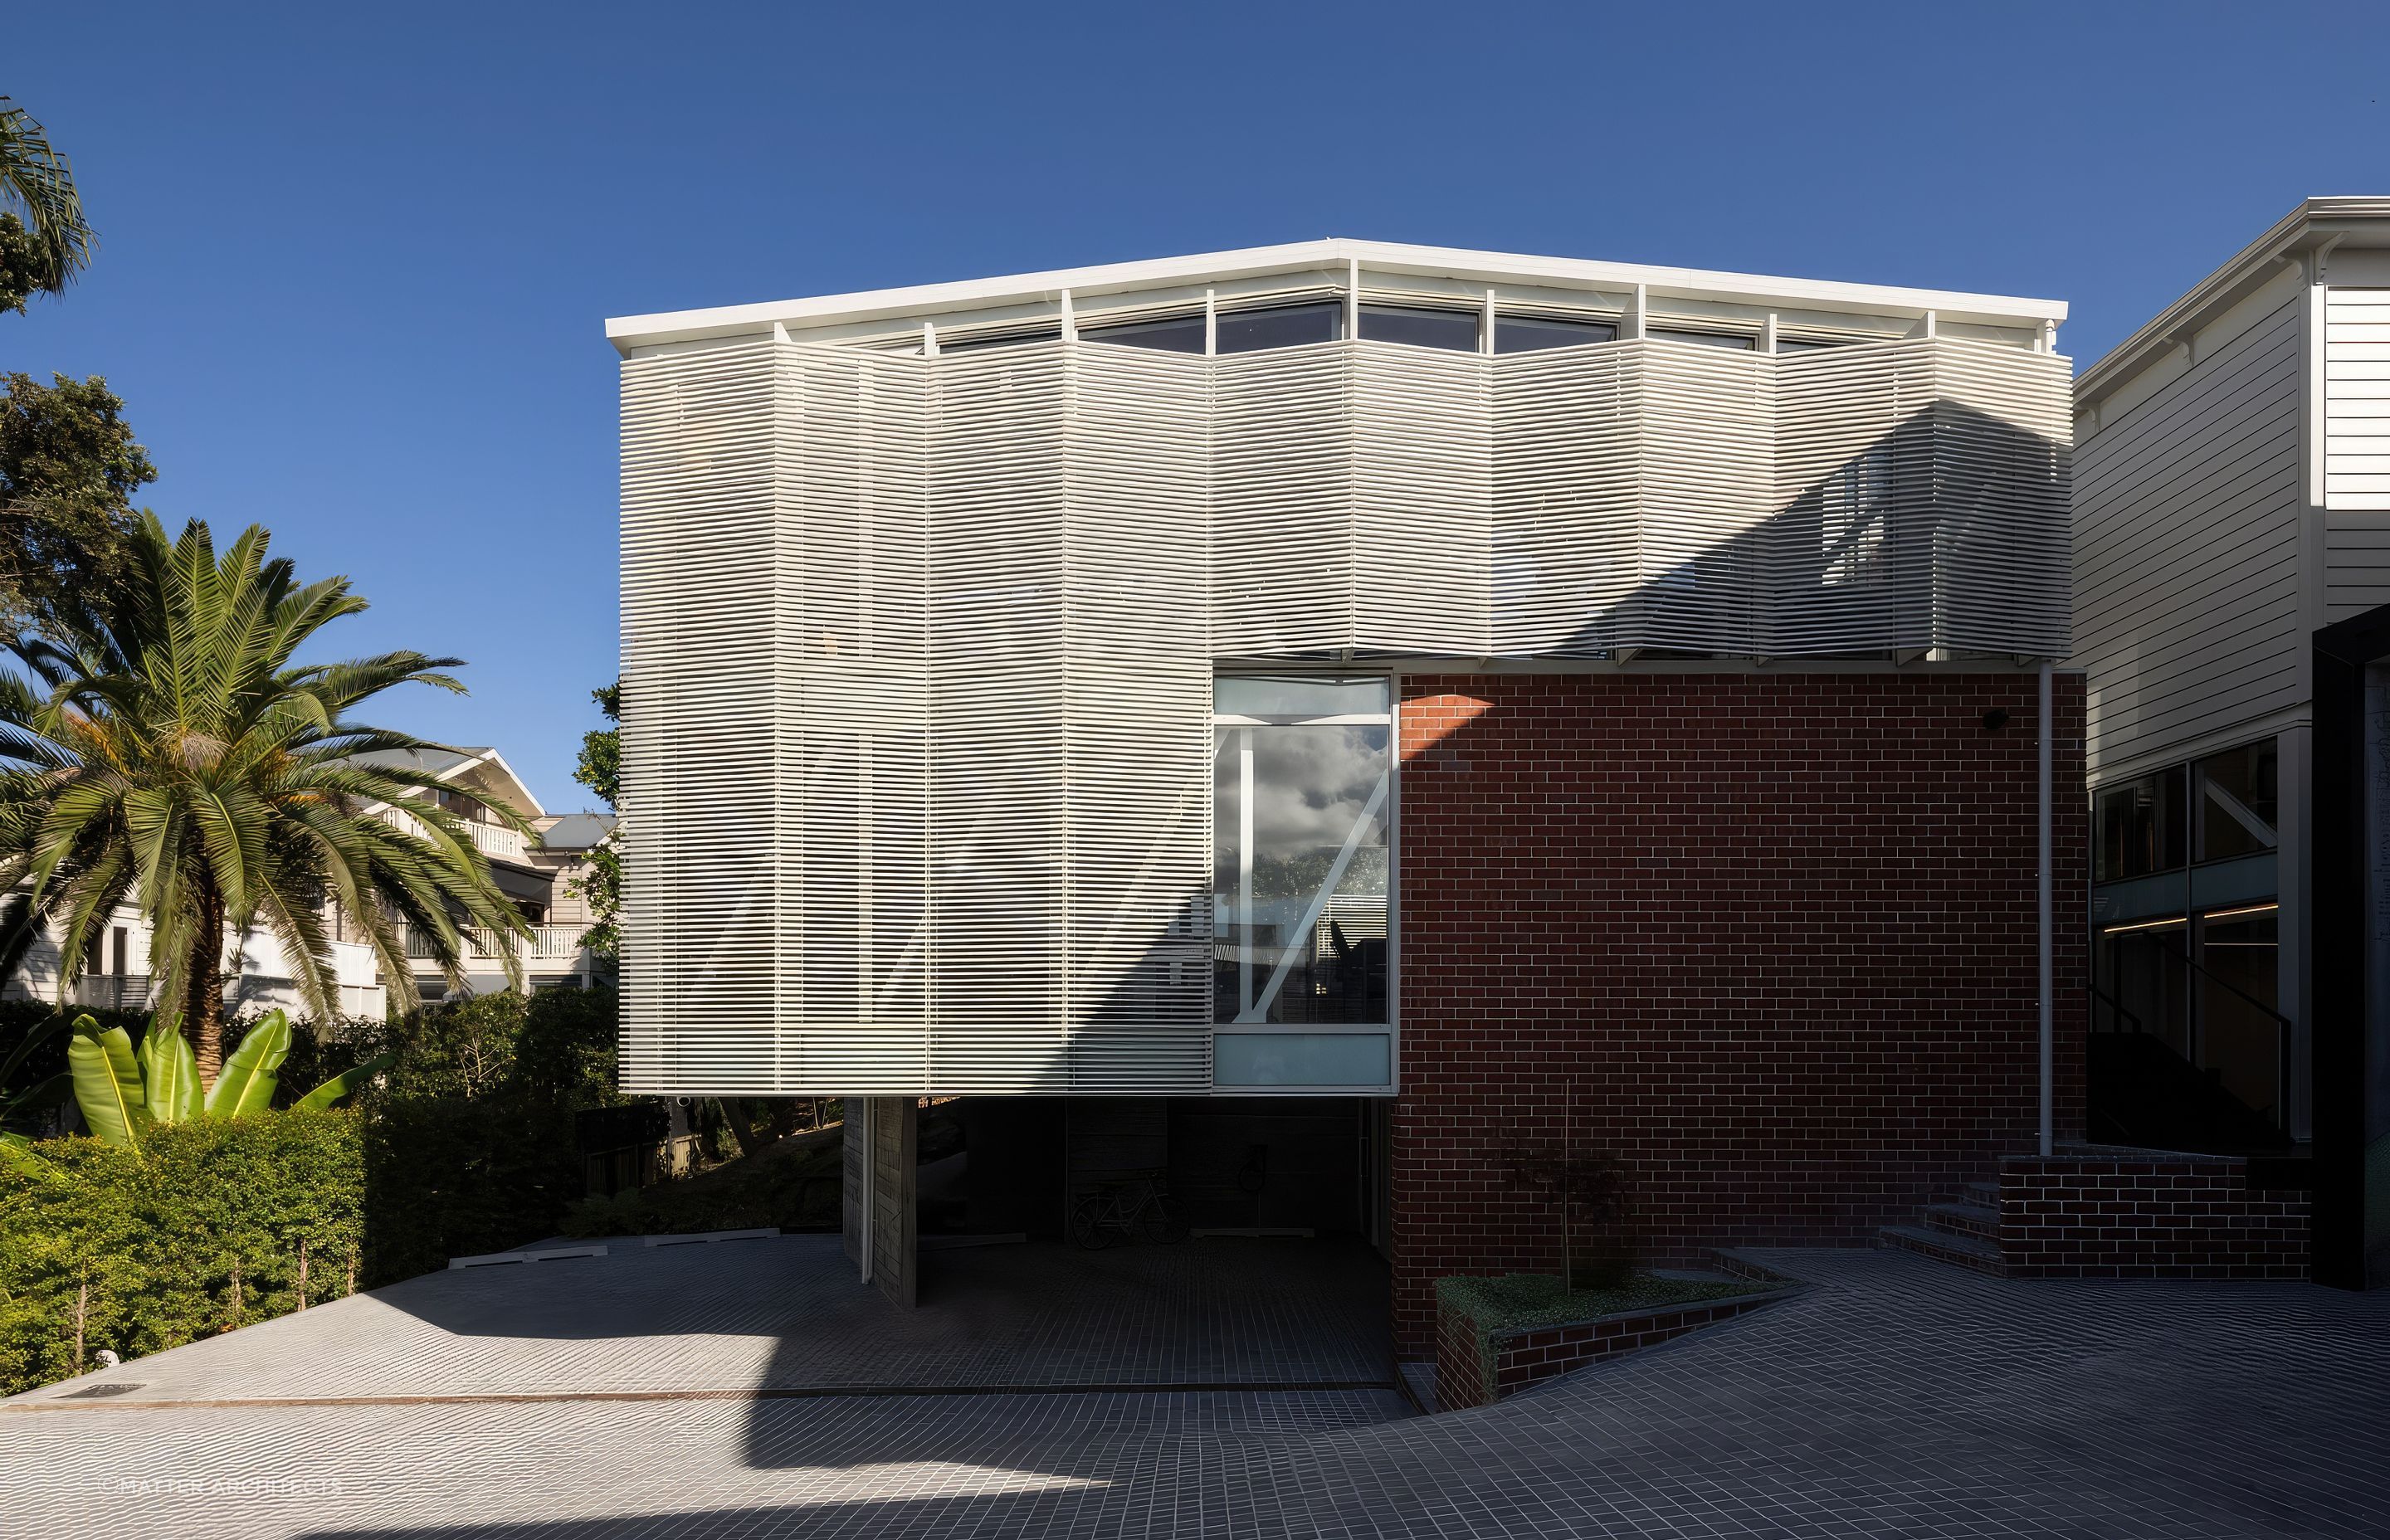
(2169, 1217)
(1771, 934)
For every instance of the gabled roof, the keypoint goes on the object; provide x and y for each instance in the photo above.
(447, 763)
(577, 831)
(926, 300)
(2318, 224)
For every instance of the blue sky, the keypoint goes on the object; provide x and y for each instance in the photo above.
(354, 260)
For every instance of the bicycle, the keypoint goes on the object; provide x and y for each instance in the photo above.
(1139, 1205)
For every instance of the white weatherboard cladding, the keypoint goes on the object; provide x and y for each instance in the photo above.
(919, 651)
(2355, 450)
(2187, 508)
(2357, 399)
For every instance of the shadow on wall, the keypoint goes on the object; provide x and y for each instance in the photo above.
(1949, 532)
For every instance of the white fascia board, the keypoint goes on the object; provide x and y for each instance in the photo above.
(923, 300)
(2312, 224)
(521, 789)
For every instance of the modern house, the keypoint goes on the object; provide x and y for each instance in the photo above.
(2232, 570)
(1322, 721)
(541, 873)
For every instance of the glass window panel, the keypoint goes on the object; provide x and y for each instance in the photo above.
(1358, 1059)
(1706, 338)
(1240, 695)
(1174, 334)
(2240, 951)
(1420, 327)
(2144, 974)
(2139, 827)
(1301, 868)
(1801, 344)
(1280, 326)
(1535, 333)
(1010, 339)
(2237, 802)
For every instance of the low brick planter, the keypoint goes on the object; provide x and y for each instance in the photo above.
(1474, 1367)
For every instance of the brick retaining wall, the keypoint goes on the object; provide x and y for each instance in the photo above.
(2147, 1216)
(1531, 1355)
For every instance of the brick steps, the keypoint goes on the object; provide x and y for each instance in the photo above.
(1976, 1221)
(1972, 1251)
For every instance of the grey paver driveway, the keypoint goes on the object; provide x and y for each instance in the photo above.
(1897, 1397)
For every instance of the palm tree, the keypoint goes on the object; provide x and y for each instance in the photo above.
(36, 181)
(165, 750)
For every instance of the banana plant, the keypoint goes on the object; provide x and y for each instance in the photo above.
(123, 1089)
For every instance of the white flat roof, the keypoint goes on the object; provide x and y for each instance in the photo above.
(925, 300)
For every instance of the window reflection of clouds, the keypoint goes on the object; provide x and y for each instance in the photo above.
(1313, 785)
(1310, 783)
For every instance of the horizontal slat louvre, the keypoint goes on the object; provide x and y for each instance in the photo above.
(919, 651)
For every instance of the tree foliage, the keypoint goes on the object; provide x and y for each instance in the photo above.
(69, 471)
(168, 751)
(600, 769)
(37, 183)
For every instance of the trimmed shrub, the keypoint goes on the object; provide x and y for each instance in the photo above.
(208, 1226)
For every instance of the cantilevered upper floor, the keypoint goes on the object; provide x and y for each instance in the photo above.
(924, 592)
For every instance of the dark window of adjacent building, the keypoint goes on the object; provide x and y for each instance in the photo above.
(1535, 333)
(2139, 827)
(2237, 807)
(1280, 326)
(1170, 334)
(2186, 937)
(1734, 340)
(1420, 327)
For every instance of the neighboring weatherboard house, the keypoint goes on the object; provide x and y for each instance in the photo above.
(539, 873)
(2232, 576)
(1327, 711)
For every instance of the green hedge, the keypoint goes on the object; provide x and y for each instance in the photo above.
(466, 1145)
(202, 1229)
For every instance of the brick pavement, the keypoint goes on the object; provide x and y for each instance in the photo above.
(1897, 1396)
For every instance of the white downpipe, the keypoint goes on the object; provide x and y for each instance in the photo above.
(2042, 902)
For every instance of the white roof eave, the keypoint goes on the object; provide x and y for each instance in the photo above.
(926, 299)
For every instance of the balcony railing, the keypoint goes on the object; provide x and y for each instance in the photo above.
(497, 839)
(493, 840)
(112, 991)
(545, 943)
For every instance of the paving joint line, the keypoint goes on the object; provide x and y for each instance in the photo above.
(769, 1393)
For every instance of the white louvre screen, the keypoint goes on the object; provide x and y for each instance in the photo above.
(1564, 522)
(1283, 558)
(1853, 547)
(919, 651)
(702, 775)
(2001, 445)
(1705, 489)
(1422, 501)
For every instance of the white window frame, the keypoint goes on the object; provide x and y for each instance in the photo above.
(1391, 1028)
